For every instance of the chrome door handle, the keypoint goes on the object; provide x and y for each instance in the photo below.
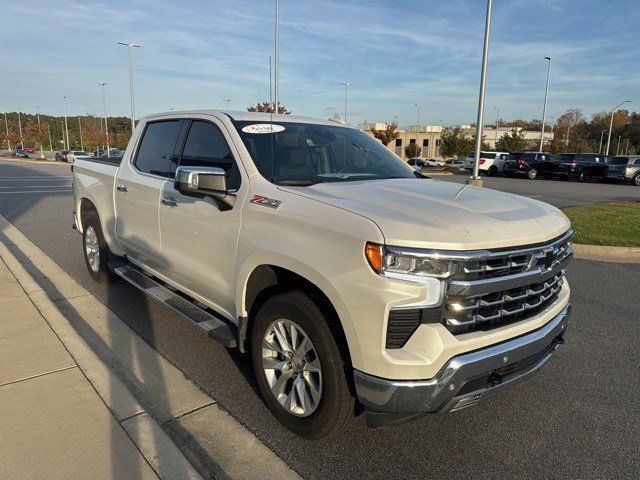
(169, 202)
(122, 188)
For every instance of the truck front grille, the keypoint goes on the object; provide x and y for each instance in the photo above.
(505, 286)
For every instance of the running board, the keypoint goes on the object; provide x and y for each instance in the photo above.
(216, 329)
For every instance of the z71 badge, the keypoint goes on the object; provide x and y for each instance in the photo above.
(266, 201)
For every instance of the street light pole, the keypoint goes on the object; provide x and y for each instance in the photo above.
(626, 148)
(66, 126)
(38, 116)
(20, 130)
(131, 90)
(417, 105)
(6, 127)
(346, 93)
(613, 111)
(226, 101)
(276, 81)
(50, 143)
(475, 179)
(80, 129)
(104, 112)
(601, 139)
(497, 122)
(544, 108)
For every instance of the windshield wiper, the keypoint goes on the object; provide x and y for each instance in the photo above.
(299, 183)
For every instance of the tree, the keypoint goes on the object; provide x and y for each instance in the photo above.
(387, 135)
(413, 150)
(454, 143)
(38, 134)
(511, 142)
(92, 133)
(267, 107)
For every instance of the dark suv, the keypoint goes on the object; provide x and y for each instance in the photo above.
(529, 164)
(581, 166)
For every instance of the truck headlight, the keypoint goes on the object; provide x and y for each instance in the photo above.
(406, 265)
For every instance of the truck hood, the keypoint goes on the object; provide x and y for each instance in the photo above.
(436, 214)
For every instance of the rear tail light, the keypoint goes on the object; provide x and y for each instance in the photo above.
(482, 160)
(573, 165)
(521, 162)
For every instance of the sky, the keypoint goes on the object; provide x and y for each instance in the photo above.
(396, 54)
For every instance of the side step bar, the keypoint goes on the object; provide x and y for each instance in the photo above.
(217, 329)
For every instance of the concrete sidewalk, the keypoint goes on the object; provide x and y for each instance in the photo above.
(53, 423)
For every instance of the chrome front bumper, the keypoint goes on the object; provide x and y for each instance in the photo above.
(464, 380)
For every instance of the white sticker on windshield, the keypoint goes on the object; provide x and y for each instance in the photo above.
(263, 128)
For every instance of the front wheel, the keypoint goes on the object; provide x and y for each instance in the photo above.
(583, 177)
(298, 366)
(636, 180)
(532, 174)
(493, 171)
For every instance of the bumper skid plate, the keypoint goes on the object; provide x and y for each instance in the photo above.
(463, 381)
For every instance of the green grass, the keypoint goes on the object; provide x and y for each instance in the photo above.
(614, 224)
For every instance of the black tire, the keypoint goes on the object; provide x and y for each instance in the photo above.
(335, 408)
(532, 174)
(583, 177)
(100, 273)
(636, 180)
(493, 171)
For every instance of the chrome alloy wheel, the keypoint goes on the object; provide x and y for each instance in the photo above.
(292, 367)
(92, 249)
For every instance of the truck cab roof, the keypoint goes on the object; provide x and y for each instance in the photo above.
(244, 116)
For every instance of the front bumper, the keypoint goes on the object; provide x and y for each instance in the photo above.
(464, 380)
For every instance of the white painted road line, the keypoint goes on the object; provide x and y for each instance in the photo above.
(37, 191)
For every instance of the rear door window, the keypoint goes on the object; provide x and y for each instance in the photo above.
(206, 147)
(156, 147)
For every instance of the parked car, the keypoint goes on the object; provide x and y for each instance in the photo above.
(433, 163)
(581, 166)
(624, 169)
(20, 153)
(491, 163)
(417, 162)
(343, 275)
(458, 163)
(530, 164)
(30, 149)
(61, 156)
(74, 155)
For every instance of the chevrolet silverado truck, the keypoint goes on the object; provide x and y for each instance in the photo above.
(350, 282)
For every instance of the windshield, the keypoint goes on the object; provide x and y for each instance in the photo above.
(304, 153)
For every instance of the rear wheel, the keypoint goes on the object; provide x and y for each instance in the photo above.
(493, 171)
(298, 366)
(636, 180)
(96, 251)
(583, 177)
(532, 174)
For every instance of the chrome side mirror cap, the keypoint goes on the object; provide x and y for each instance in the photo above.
(209, 181)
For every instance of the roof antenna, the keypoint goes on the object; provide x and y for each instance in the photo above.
(272, 109)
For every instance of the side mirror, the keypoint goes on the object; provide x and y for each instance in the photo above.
(209, 181)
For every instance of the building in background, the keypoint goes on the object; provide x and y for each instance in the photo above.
(491, 136)
(426, 136)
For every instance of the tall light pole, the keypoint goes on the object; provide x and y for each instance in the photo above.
(626, 148)
(104, 112)
(601, 138)
(20, 130)
(346, 93)
(417, 105)
(50, 143)
(497, 109)
(38, 116)
(475, 180)
(6, 127)
(80, 129)
(544, 108)
(276, 81)
(131, 91)
(613, 111)
(226, 102)
(66, 126)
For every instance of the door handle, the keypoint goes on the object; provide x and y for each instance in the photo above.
(169, 202)
(122, 188)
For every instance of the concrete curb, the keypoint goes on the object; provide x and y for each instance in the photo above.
(606, 253)
(158, 450)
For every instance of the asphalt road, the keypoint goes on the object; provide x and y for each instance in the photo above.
(578, 418)
(557, 192)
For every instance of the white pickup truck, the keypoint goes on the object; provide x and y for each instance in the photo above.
(351, 282)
